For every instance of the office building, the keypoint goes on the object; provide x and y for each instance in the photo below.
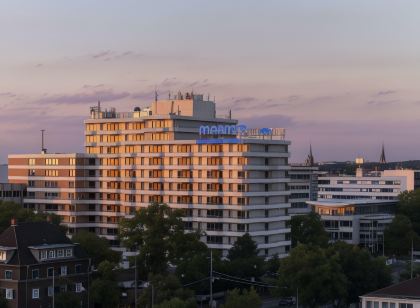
(358, 222)
(37, 262)
(377, 185)
(227, 179)
(303, 187)
(12, 192)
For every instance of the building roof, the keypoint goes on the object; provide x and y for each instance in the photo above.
(29, 234)
(350, 202)
(409, 289)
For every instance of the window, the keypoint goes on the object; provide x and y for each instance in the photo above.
(69, 252)
(35, 273)
(79, 287)
(60, 253)
(78, 268)
(63, 271)
(31, 161)
(403, 305)
(9, 293)
(8, 274)
(50, 291)
(50, 271)
(51, 254)
(384, 305)
(43, 254)
(2, 255)
(35, 293)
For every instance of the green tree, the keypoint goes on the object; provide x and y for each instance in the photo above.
(67, 300)
(153, 230)
(104, 290)
(409, 205)
(9, 210)
(399, 236)
(178, 303)
(165, 287)
(243, 260)
(97, 248)
(4, 303)
(364, 273)
(308, 229)
(318, 276)
(236, 299)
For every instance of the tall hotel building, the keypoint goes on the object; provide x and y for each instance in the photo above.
(228, 180)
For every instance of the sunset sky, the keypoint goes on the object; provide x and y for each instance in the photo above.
(342, 75)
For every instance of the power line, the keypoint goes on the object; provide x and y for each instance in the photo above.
(197, 281)
(238, 278)
(248, 283)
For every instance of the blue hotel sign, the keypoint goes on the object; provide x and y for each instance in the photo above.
(231, 130)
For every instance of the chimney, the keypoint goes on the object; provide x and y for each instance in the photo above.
(13, 222)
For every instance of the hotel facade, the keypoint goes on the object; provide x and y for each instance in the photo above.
(227, 179)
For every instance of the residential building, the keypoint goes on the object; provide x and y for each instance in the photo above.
(227, 179)
(405, 294)
(38, 261)
(380, 185)
(358, 222)
(12, 192)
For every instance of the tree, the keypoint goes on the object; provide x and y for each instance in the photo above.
(4, 303)
(409, 205)
(236, 299)
(364, 273)
(165, 288)
(308, 229)
(97, 248)
(153, 231)
(178, 303)
(67, 300)
(318, 277)
(104, 289)
(243, 260)
(9, 210)
(399, 236)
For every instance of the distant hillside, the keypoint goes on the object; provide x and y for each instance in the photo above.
(3, 173)
(350, 167)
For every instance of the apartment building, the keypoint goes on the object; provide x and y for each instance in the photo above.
(383, 185)
(227, 179)
(37, 262)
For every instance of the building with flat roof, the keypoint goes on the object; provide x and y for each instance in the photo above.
(303, 187)
(405, 294)
(358, 222)
(228, 179)
(12, 192)
(377, 185)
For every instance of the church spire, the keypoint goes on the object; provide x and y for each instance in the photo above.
(310, 159)
(382, 159)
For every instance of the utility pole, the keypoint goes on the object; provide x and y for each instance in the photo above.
(53, 289)
(297, 297)
(412, 252)
(135, 281)
(383, 244)
(153, 295)
(211, 279)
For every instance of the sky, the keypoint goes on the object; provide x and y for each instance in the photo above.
(341, 75)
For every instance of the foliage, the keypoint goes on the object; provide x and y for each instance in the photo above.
(153, 230)
(318, 277)
(104, 289)
(97, 248)
(165, 288)
(178, 303)
(399, 235)
(4, 303)
(363, 272)
(67, 300)
(243, 248)
(406, 274)
(308, 229)
(236, 299)
(409, 205)
(9, 210)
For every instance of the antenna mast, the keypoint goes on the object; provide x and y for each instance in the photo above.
(43, 149)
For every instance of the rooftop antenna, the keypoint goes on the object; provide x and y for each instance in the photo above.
(208, 96)
(230, 114)
(169, 95)
(99, 106)
(43, 149)
(156, 95)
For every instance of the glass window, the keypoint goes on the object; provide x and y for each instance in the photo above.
(50, 291)
(384, 305)
(391, 305)
(368, 304)
(375, 304)
(69, 252)
(50, 271)
(51, 254)
(35, 273)
(63, 271)
(8, 274)
(9, 293)
(43, 254)
(79, 287)
(35, 293)
(60, 253)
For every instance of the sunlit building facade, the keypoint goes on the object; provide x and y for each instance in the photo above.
(228, 180)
